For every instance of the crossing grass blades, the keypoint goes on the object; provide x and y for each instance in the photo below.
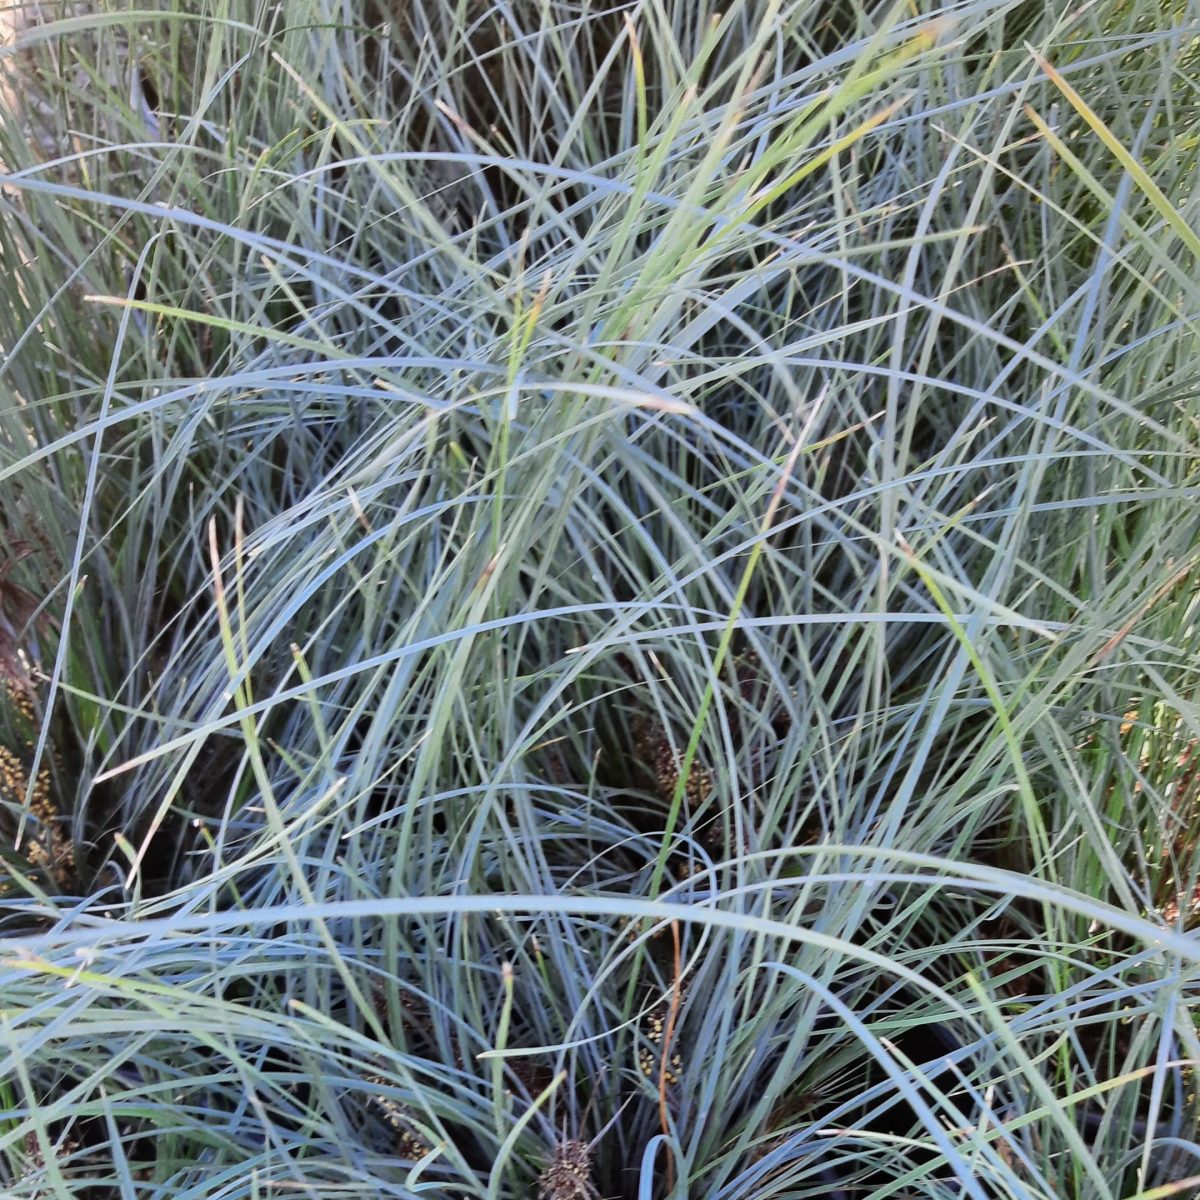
(599, 600)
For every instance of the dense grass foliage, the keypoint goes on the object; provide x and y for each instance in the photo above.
(600, 599)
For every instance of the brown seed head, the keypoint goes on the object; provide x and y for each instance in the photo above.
(568, 1175)
(410, 1144)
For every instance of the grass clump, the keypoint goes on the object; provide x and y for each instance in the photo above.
(599, 600)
